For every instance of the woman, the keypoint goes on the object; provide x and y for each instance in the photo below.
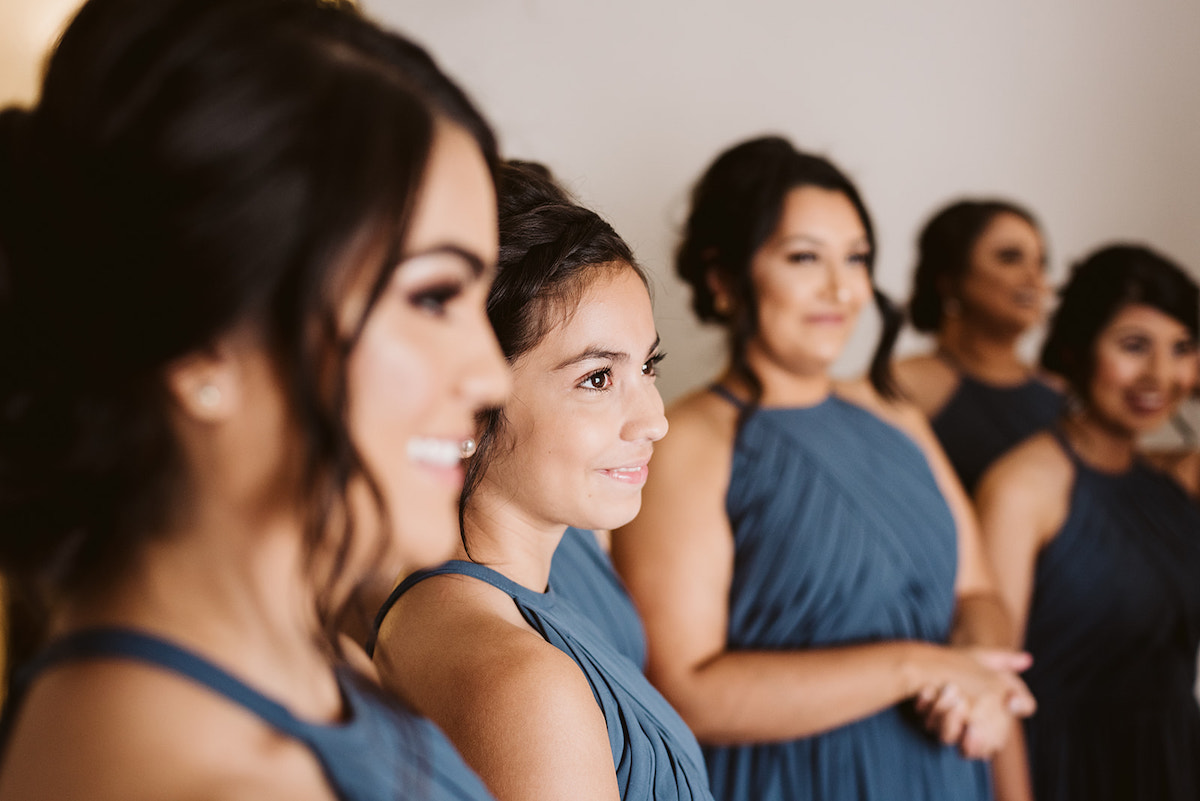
(536, 697)
(1097, 554)
(804, 554)
(979, 287)
(245, 248)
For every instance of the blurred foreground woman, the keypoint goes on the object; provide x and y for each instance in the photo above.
(1098, 554)
(244, 250)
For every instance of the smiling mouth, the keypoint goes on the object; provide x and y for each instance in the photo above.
(435, 451)
(1027, 297)
(1147, 402)
(628, 475)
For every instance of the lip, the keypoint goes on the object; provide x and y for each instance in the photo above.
(1028, 297)
(826, 318)
(634, 475)
(1148, 403)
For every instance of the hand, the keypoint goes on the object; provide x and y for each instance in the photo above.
(976, 707)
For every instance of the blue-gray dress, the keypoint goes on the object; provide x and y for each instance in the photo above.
(841, 537)
(654, 753)
(582, 574)
(1114, 625)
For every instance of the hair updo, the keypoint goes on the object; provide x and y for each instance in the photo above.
(1100, 286)
(735, 207)
(944, 252)
(550, 249)
(191, 167)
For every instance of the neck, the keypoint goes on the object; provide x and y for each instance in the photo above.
(1099, 444)
(782, 386)
(507, 539)
(982, 351)
(234, 590)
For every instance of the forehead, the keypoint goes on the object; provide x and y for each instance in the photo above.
(813, 210)
(1008, 226)
(611, 308)
(1140, 317)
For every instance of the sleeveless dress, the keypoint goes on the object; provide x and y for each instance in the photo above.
(380, 753)
(582, 574)
(841, 536)
(981, 421)
(1114, 627)
(654, 753)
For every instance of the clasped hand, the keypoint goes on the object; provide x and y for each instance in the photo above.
(976, 708)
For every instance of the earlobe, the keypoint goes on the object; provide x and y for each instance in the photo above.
(722, 300)
(204, 385)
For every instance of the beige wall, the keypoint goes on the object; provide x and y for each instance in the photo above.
(1086, 111)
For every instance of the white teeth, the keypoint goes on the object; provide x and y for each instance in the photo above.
(626, 469)
(436, 452)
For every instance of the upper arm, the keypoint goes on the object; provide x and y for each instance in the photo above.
(519, 710)
(676, 556)
(532, 729)
(1022, 503)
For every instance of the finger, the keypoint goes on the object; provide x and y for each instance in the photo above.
(925, 699)
(1002, 660)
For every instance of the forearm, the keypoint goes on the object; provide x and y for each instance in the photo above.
(1010, 770)
(763, 696)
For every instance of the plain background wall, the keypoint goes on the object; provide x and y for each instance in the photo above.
(1087, 112)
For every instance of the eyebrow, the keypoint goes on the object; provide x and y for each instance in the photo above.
(598, 352)
(474, 262)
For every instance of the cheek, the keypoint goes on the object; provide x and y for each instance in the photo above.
(390, 391)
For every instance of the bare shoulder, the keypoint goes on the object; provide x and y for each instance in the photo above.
(699, 441)
(451, 637)
(1034, 478)
(927, 381)
(123, 730)
(517, 708)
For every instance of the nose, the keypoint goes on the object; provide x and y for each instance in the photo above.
(486, 377)
(646, 419)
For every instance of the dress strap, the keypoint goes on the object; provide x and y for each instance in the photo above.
(130, 644)
(458, 567)
(722, 391)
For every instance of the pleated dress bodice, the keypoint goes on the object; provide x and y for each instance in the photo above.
(841, 536)
(981, 421)
(582, 574)
(1114, 627)
(655, 755)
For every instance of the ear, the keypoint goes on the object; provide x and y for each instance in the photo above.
(206, 385)
(722, 298)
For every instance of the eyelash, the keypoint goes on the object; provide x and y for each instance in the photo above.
(434, 299)
(649, 368)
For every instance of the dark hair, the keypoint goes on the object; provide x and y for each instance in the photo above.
(735, 207)
(1105, 282)
(550, 249)
(193, 166)
(944, 251)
